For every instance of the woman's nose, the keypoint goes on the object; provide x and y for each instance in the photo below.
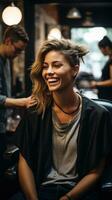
(50, 70)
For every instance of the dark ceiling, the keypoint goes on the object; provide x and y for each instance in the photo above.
(101, 14)
(100, 11)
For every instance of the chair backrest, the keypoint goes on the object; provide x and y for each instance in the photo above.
(106, 103)
(106, 182)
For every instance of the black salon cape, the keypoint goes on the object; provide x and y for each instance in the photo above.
(34, 139)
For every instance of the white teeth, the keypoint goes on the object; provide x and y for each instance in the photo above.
(52, 80)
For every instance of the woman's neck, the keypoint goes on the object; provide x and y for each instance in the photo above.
(65, 98)
(67, 103)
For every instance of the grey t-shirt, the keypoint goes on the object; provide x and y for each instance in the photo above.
(64, 151)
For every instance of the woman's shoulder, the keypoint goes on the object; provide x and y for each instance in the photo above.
(29, 116)
(32, 114)
(95, 104)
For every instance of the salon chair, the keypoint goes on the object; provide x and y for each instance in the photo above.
(9, 181)
(9, 178)
(106, 181)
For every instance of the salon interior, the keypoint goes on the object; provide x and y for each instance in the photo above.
(83, 21)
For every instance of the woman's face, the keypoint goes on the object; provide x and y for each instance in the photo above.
(57, 72)
(104, 50)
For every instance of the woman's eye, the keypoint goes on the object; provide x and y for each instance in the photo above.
(58, 65)
(44, 66)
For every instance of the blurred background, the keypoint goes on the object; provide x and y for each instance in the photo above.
(85, 22)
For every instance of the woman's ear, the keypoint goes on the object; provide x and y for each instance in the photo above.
(75, 70)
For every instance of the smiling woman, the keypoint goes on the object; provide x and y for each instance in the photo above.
(56, 71)
(58, 67)
(62, 133)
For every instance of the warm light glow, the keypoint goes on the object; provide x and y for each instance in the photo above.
(11, 15)
(88, 22)
(74, 14)
(54, 33)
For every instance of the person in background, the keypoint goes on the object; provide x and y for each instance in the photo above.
(15, 40)
(63, 142)
(105, 85)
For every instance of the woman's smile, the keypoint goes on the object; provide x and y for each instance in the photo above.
(52, 82)
(57, 72)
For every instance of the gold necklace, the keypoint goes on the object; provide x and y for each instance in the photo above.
(70, 113)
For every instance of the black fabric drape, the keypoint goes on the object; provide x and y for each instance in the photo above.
(34, 139)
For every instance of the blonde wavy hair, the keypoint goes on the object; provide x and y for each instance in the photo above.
(72, 52)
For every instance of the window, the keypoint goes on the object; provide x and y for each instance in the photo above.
(90, 37)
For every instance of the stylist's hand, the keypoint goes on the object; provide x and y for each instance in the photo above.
(30, 101)
(93, 84)
(64, 198)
